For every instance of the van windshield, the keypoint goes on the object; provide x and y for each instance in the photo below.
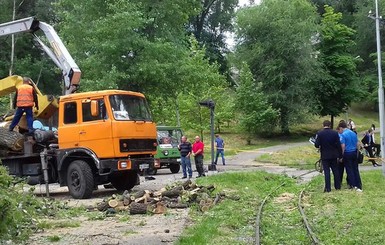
(130, 108)
(171, 136)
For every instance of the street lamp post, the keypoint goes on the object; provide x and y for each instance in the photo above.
(380, 85)
(211, 105)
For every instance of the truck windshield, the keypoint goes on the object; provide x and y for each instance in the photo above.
(167, 137)
(130, 108)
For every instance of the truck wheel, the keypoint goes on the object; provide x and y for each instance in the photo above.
(174, 168)
(80, 180)
(125, 180)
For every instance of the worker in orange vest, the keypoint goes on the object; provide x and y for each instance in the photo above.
(24, 100)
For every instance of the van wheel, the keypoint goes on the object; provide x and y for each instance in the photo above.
(124, 180)
(174, 168)
(80, 180)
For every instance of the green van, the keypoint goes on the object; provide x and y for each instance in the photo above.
(167, 155)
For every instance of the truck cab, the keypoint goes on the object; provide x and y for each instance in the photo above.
(167, 153)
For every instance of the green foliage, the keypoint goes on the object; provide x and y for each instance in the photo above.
(17, 211)
(28, 59)
(209, 27)
(256, 114)
(275, 41)
(338, 87)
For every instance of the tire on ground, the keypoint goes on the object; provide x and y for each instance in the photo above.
(125, 180)
(80, 180)
(174, 168)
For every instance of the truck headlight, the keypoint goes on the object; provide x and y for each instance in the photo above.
(165, 153)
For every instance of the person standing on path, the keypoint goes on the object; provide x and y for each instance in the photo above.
(197, 151)
(185, 149)
(349, 145)
(220, 144)
(329, 143)
(24, 100)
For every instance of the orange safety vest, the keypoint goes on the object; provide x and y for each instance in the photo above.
(25, 96)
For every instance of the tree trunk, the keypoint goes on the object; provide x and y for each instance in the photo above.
(177, 205)
(177, 112)
(11, 140)
(174, 192)
(285, 121)
(138, 208)
(332, 121)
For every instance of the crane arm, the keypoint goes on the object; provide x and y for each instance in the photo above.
(58, 52)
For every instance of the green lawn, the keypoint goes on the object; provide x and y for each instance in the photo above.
(339, 217)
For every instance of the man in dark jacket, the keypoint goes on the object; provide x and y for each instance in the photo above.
(185, 149)
(329, 143)
(368, 143)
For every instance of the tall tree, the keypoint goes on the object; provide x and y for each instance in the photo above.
(275, 41)
(29, 60)
(141, 46)
(210, 26)
(338, 86)
(256, 114)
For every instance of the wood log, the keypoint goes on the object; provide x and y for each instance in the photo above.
(174, 192)
(149, 193)
(113, 203)
(160, 208)
(4, 153)
(152, 200)
(142, 199)
(217, 199)
(205, 208)
(11, 140)
(102, 206)
(210, 188)
(159, 193)
(195, 190)
(139, 194)
(177, 205)
(186, 184)
(138, 208)
(121, 208)
(126, 201)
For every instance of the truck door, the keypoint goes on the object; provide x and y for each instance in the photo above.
(95, 131)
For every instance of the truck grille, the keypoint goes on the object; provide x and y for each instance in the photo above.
(134, 145)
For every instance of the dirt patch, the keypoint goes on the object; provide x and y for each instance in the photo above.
(284, 197)
(119, 229)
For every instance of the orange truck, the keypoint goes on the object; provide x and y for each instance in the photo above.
(102, 136)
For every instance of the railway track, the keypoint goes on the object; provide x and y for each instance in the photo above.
(312, 237)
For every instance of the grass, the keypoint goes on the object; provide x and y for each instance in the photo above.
(339, 217)
(355, 218)
(227, 223)
(53, 238)
(302, 157)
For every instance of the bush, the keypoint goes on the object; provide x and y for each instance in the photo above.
(17, 209)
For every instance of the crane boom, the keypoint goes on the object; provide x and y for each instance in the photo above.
(58, 52)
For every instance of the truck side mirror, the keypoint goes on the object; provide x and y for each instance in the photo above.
(94, 108)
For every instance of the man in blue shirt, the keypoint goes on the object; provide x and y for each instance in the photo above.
(349, 145)
(220, 144)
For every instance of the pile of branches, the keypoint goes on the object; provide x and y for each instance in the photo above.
(181, 195)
